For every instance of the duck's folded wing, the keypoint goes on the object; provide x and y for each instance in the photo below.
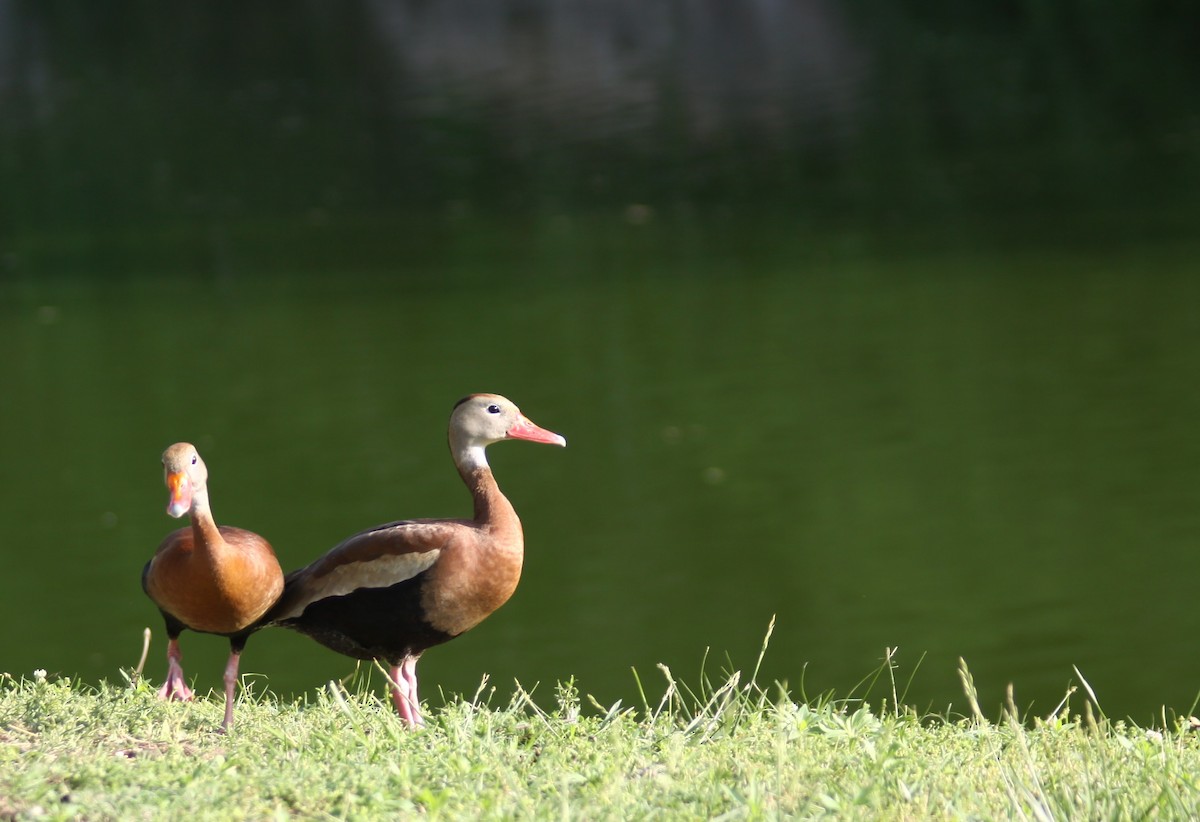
(378, 558)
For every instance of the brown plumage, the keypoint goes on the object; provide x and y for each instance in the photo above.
(393, 591)
(214, 580)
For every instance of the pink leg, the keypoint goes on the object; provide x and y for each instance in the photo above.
(175, 687)
(409, 669)
(404, 691)
(231, 678)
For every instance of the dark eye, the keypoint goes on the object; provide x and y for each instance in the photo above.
(193, 459)
(493, 409)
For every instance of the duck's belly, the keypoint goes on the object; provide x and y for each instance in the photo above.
(371, 623)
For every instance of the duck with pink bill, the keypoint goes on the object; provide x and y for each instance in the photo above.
(391, 592)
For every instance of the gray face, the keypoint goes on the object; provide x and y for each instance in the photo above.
(483, 419)
(185, 474)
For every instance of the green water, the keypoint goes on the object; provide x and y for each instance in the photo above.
(987, 456)
(881, 321)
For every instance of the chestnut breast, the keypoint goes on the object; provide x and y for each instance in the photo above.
(219, 589)
(475, 574)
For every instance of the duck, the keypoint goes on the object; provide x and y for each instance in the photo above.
(207, 578)
(393, 591)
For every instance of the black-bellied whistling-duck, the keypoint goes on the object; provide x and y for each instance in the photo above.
(207, 579)
(393, 591)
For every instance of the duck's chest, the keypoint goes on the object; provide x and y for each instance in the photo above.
(463, 589)
(213, 592)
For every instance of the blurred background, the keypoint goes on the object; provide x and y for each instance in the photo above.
(881, 318)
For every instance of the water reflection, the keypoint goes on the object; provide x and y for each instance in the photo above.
(121, 121)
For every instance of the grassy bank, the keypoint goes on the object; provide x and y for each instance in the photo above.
(734, 751)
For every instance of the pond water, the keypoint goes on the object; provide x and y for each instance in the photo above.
(897, 346)
(991, 457)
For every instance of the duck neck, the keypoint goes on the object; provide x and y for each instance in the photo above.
(204, 528)
(493, 511)
(492, 508)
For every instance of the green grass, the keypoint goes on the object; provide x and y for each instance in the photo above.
(730, 750)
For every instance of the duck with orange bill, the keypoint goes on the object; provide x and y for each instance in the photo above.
(205, 578)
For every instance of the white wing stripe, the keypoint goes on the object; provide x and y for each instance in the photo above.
(380, 572)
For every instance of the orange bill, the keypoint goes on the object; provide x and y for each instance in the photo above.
(181, 494)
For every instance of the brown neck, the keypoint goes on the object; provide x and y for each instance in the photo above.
(492, 509)
(204, 528)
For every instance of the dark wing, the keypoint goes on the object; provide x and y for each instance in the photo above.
(377, 558)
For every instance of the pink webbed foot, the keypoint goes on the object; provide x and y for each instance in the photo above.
(175, 687)
(176, 690)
